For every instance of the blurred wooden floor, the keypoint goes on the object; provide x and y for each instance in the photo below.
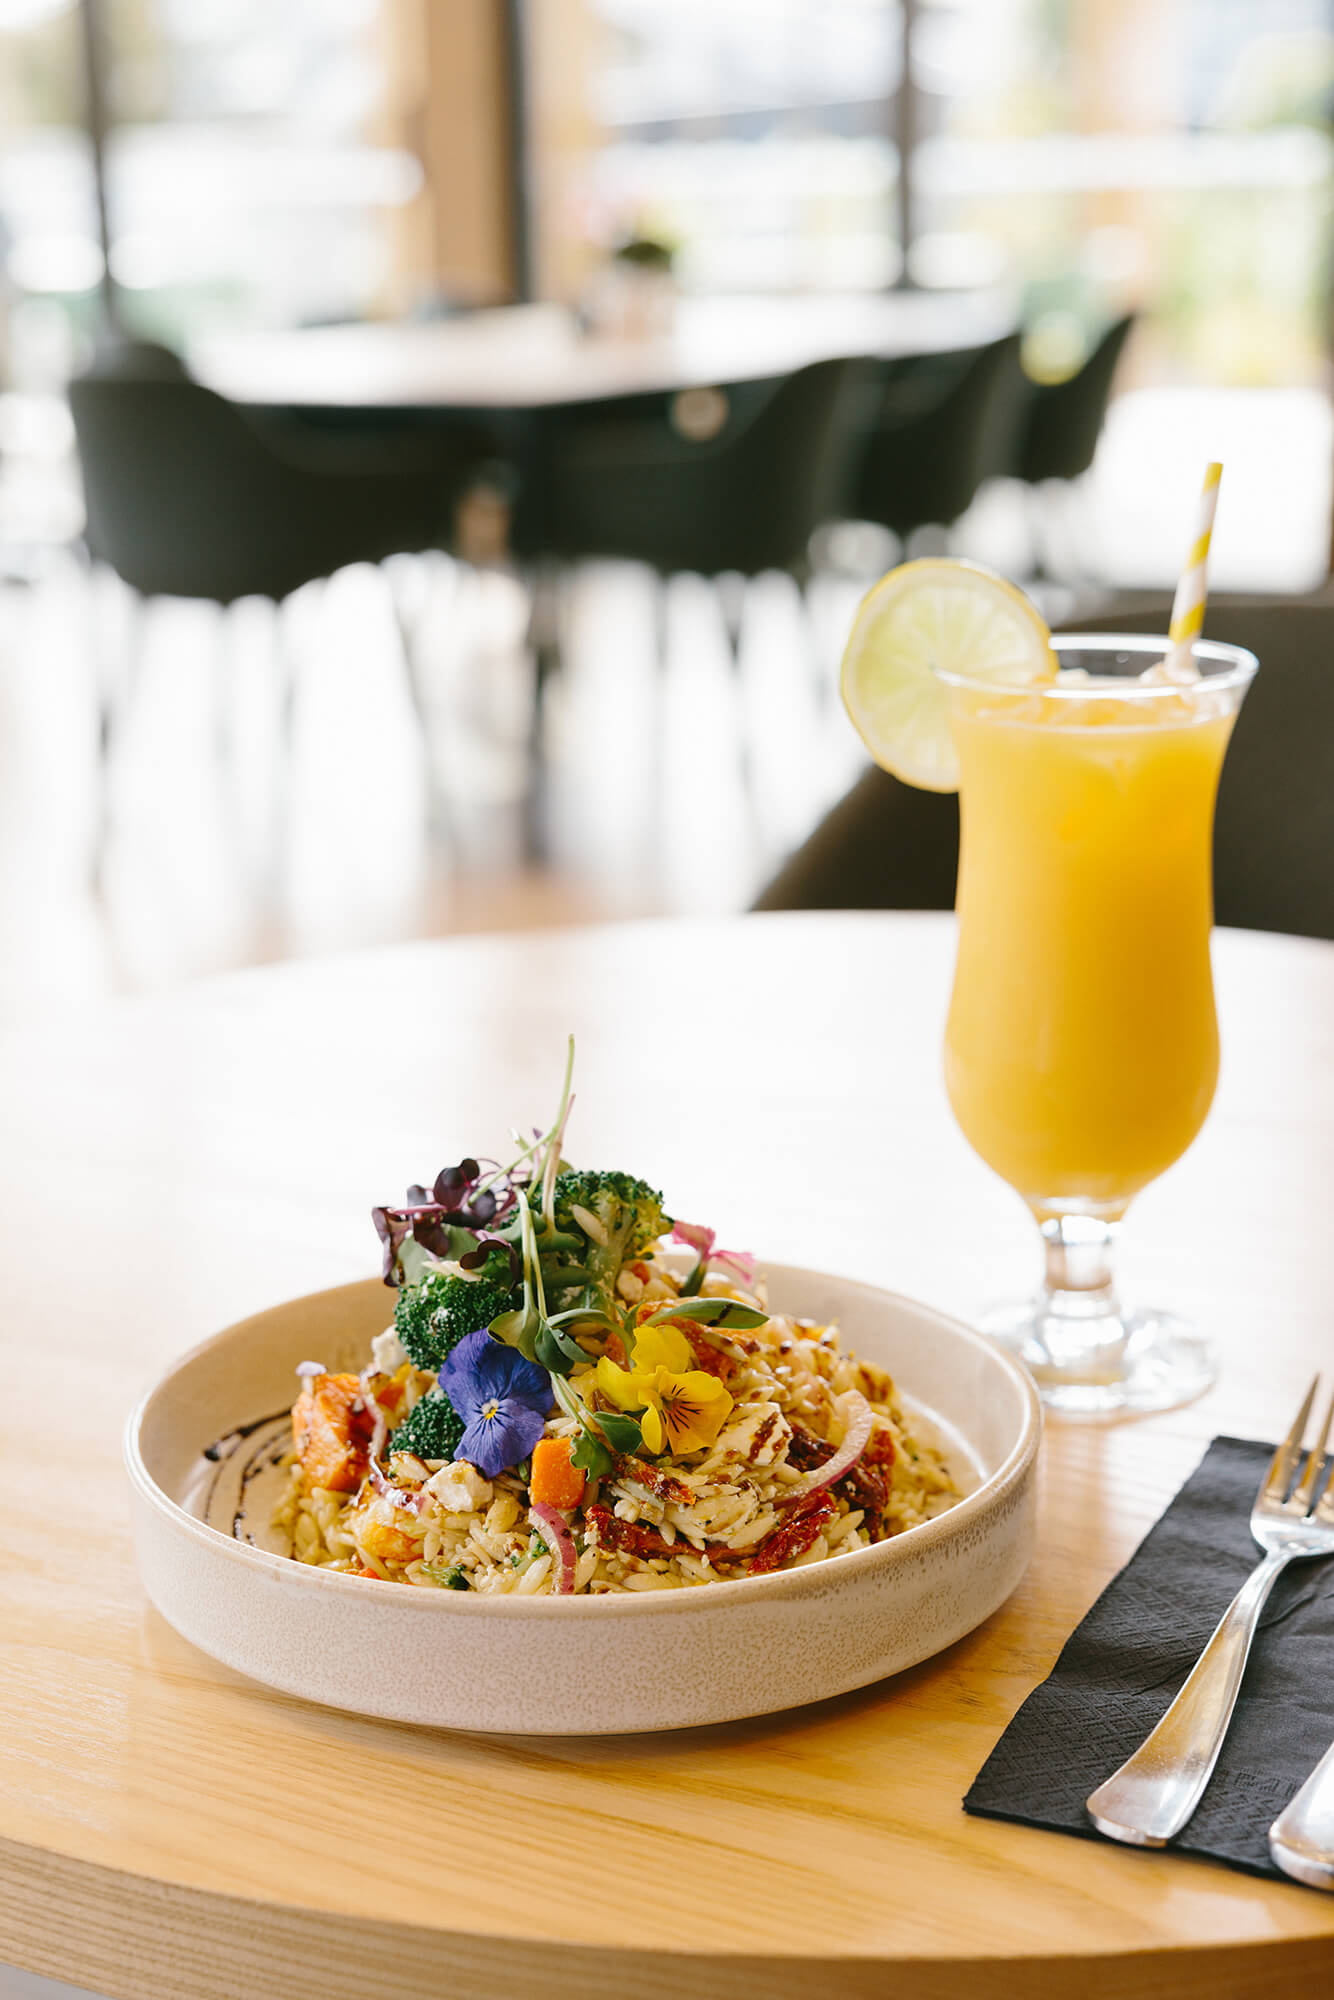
(672, 788)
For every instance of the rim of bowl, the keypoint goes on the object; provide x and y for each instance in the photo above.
(610, 1604)
(1238, 669)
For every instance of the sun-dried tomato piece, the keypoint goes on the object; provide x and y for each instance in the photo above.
(867, 1486)
(879, 1448)
(806, 1451)
(796, 1534)
(630, 1537)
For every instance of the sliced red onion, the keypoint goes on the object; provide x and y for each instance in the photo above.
(858, 1419)
(397, 1496)
(551, 1527)
(381, 1431)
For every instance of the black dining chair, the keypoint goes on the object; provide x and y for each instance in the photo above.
(933, 429)
(741, 486)
(1059, 437)
(1064, 420)
(888, 846)
(186, 498)
(121, 357)
(726, 481)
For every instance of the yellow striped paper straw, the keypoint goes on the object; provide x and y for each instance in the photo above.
(1192, 590)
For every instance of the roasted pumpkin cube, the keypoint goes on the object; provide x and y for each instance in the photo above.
(332, 1428)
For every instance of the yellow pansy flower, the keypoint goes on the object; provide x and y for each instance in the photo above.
(655, 1347)
(684, 1412)
(661, 1347)
(684, 1408)
(622, 1389)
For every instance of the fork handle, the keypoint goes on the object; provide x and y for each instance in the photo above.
(1301, 1839)
(1150, 1798)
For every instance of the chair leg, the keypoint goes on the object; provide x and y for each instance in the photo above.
(730, 588)
(654, 743)
(811, 635)
(224, 687)
(286, 656)
(285, 664)
(411, 628)
(660, 607)
(544, 644)
(730, 591)
(117, 680)
(1039, 528)
(228, 657)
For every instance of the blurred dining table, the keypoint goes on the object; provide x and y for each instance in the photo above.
(540, 356)
(168, 1164)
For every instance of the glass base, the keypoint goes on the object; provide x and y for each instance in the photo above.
(1120, 1364)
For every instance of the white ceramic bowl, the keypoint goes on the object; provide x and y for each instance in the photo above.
(582, 1666)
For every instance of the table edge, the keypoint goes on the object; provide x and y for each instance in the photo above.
(136, 1937)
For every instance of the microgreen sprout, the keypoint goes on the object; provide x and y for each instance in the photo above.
(602, 1433)
(551, 1166)
(521, 1327)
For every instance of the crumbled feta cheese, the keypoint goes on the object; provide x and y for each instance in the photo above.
(460, 1488)
(388, 1352)
(739, 1437)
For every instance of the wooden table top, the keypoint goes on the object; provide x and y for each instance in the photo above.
(168, 1828)
(527, 357)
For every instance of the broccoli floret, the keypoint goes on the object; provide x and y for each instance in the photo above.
(441, 1309)
(432, 1428)
(628, 1209)
(628, 1214)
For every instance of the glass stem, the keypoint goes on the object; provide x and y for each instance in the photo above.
(1079, 1259)
(1081, 1313)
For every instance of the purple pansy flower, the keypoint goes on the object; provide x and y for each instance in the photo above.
(503, 1398)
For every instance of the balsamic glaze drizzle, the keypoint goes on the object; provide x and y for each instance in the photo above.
(265, 1454)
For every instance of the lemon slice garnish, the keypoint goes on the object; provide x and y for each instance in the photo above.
(925, 616)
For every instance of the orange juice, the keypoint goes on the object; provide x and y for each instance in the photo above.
(1082, 1048)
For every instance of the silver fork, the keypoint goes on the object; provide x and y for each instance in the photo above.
(1301, 1840)
(1155, 1792)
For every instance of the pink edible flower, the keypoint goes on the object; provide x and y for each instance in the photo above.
(702, 1240)
(696, 1235)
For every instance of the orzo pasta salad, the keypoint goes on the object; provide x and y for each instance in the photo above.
(579, 1394)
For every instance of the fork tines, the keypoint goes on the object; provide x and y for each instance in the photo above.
(1300, 1495)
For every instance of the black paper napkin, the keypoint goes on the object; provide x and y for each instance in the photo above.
(1122, 1666)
